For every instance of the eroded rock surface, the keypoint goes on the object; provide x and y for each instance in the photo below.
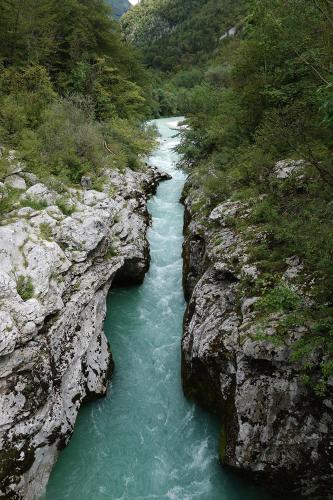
(57, 265)
(274, 428)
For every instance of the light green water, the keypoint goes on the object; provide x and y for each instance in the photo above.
(145, 440)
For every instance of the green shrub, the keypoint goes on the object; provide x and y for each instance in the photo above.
(65, 206)
(34, 203)
(9, 199)
(24, 287)
(4, 166)
(71, 142)
(111, 251)
(280, 299)
(45, 231)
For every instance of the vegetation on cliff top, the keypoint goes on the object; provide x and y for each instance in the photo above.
(266, 97)
(73, 96)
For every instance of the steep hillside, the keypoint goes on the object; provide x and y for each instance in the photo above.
(175, 34)
(258, 333)
(119, 7)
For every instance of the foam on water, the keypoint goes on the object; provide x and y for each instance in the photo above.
(145, 440)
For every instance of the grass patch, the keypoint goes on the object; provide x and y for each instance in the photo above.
(66, 207)
(33, 203)
(9, 199)
(24, 287)
(45, 231)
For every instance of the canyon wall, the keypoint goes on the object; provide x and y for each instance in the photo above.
(275, 429)
(60, 254)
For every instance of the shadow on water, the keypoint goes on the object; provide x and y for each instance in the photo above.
(145, 440)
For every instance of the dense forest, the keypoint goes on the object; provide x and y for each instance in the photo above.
(73, 96)
(254, 79)
(180, 40)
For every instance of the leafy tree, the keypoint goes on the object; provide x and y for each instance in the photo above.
(66, 77)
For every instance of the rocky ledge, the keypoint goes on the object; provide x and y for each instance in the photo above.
(274, 428)
(60, 253)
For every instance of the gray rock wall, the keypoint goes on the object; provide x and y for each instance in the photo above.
(275, 430)
(57, 265)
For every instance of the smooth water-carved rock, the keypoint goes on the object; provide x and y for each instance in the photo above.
(274, 428)
(56, 270)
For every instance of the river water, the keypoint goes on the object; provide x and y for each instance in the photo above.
(145, 440)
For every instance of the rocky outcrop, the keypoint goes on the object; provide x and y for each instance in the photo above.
(274, 428)
(60, 253)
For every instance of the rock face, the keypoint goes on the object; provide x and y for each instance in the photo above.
(57, 265)
(274, 428)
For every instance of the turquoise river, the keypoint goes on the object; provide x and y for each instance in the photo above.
(145, 440)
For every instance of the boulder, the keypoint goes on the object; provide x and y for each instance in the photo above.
(16, 182)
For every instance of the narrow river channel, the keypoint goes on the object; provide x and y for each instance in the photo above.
(145, 440)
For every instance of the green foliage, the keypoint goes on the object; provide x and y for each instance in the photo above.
(111, 252)
(34, 203)
(66, 207)
(179, 39)
(174, 35)
(5, 165)
(24, 287)
(45, 231)
(128, 142)
(73, 95)
(279, 299)
(9, 199)
(71, 142)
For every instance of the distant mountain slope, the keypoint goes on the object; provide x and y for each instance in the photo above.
(119, 7)
(174, 34)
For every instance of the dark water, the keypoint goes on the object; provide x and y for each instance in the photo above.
(145, 441)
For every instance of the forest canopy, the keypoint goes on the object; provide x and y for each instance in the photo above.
(68, 86)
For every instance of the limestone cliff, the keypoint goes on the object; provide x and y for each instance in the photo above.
(59, 256)
(275, 429)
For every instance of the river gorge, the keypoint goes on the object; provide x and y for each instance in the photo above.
(145, 440)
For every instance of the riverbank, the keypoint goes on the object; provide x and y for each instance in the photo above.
(60, 256)
(275, 428)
